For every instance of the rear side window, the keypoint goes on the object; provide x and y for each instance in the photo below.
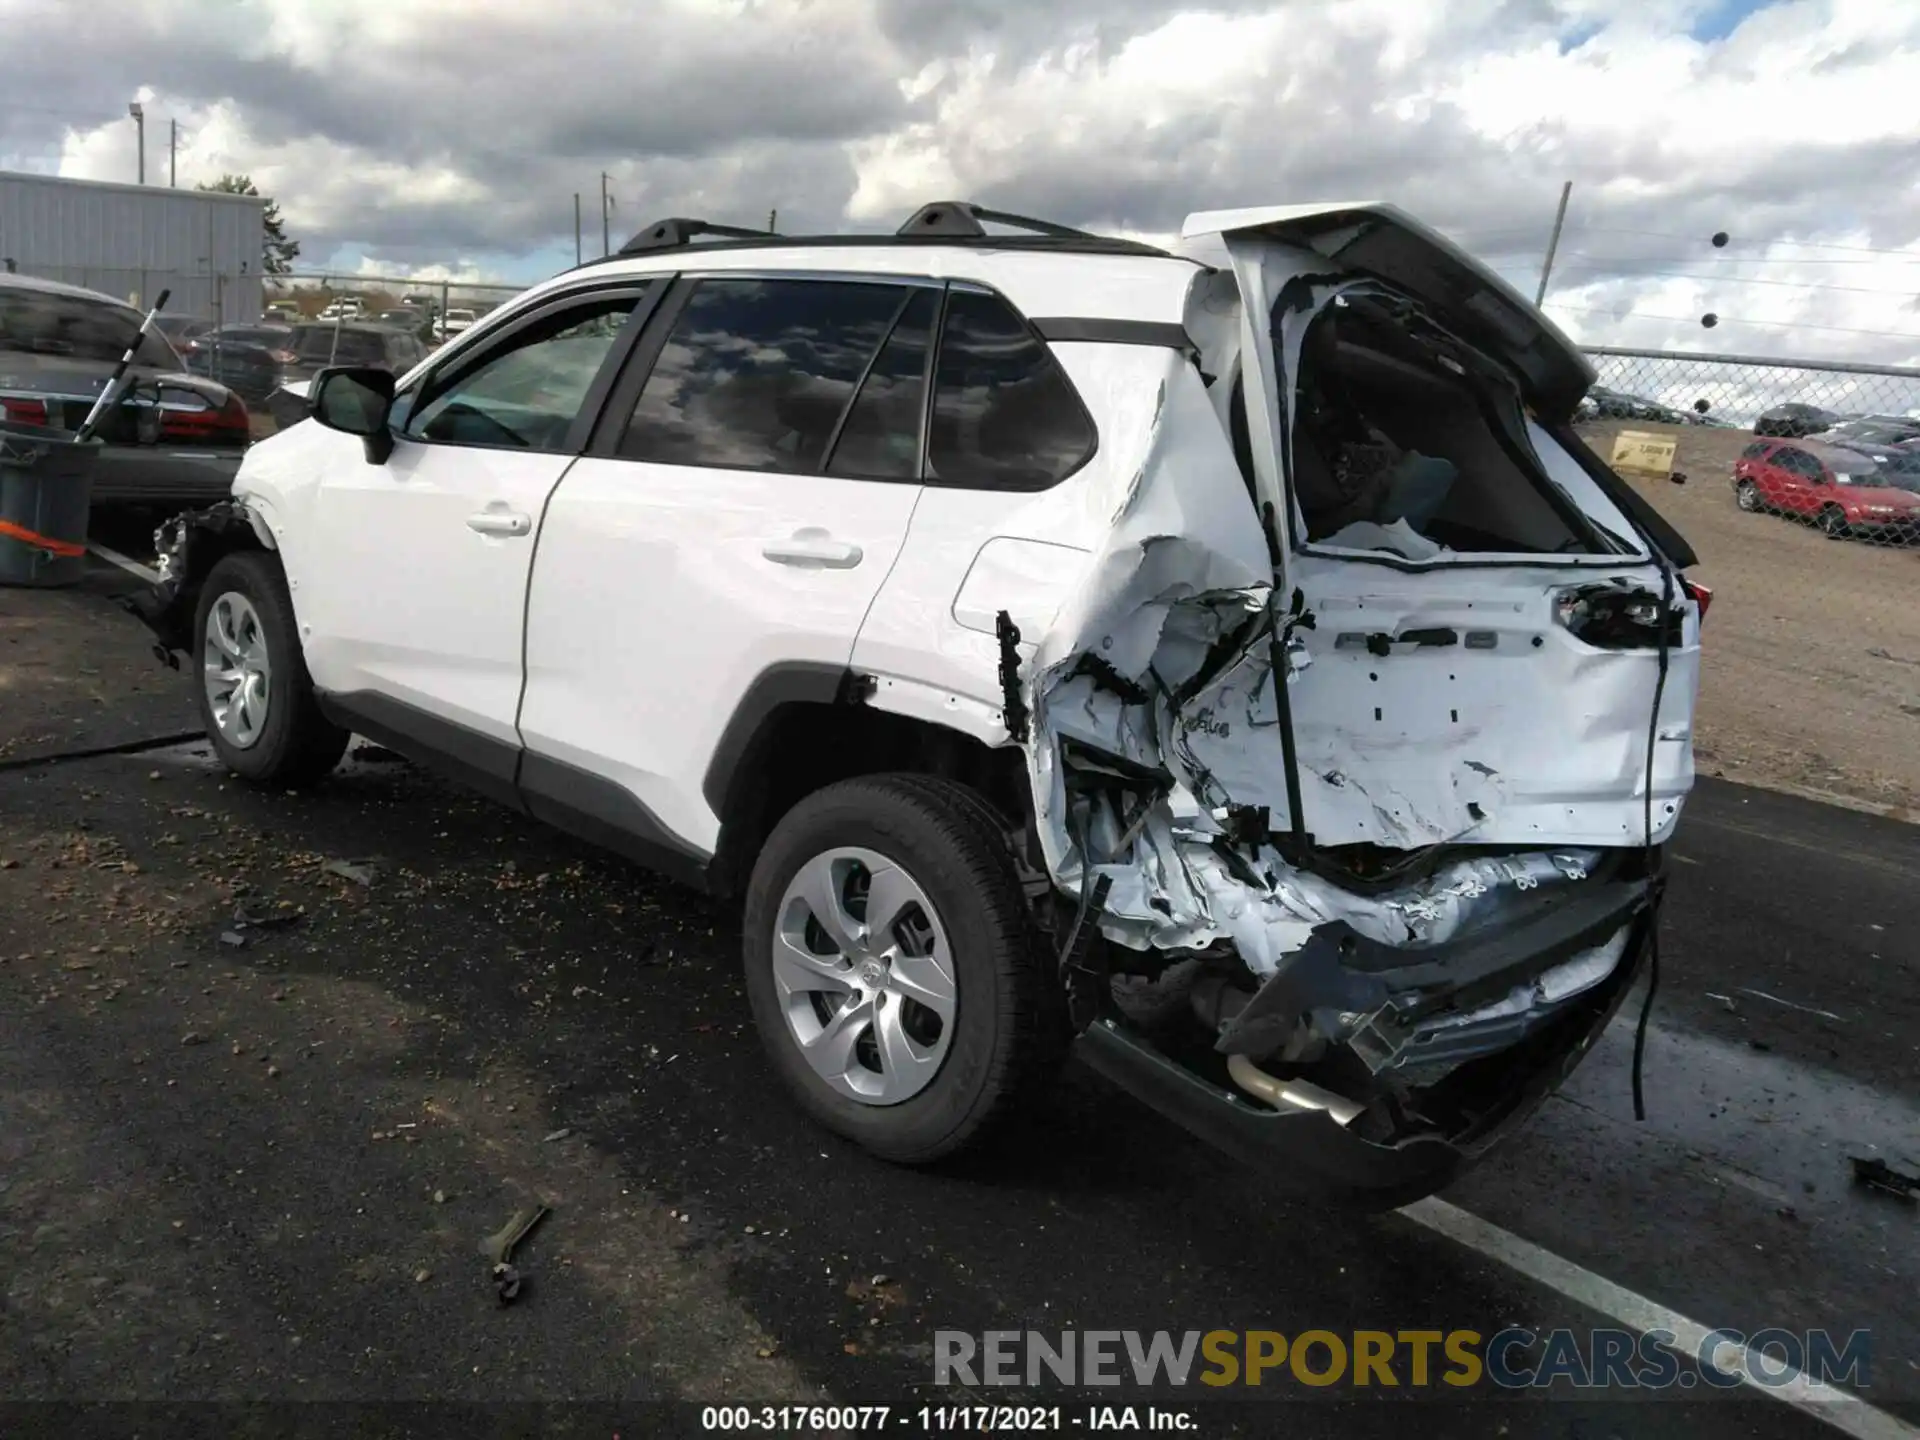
(1005, 416)
(756, 373)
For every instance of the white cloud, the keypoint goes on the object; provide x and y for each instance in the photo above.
(417, 133)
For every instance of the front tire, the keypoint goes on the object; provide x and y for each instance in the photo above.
(1747, 496)
(893, 967)
(1833, 523)
(255, 697)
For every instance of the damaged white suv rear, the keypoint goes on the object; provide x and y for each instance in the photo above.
(928, 592)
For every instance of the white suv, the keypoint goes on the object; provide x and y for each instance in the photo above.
(926, 591)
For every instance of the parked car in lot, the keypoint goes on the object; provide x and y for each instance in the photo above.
(1795, 419)
(1844, 491)
(175, 439)
(245, 358)
(927, 594)
(358, 342)
(1873, 430)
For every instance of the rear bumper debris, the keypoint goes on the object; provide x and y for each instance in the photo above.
(1322, 1150)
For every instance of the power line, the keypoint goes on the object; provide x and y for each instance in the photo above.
(1734, 280)
(1798, 244)
(1891, 258)
(1724, 320)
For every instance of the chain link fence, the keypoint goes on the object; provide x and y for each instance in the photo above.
(1798, 483)
(437, 308)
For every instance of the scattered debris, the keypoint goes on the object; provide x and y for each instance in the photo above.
(1877, 1174)
(499, 1247)
(1725, 1000)
(420, 1277)
(246, 919)
(193, 1037)
(1789, 1004)
(233, 938)
(558, 1135)
(362, 872)
(439, 1197)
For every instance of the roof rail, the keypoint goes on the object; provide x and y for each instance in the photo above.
(672, 233)
(960, 219)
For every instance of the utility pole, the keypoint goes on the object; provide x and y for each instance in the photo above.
(173, 154)
(773, 222)
(606, 206)
(576, 228)
(1553, 244)
(139, 115)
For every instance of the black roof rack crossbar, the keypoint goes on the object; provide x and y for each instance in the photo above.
(672, 233)
(960, 219)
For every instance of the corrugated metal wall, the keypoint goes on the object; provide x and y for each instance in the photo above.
(133, 241)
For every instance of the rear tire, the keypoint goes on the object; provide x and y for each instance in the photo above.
(268, 728)
(932, 852)
(1833, 523)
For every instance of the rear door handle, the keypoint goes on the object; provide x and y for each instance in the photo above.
(814, 548)
(500, 522)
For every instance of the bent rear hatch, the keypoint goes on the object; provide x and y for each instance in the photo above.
(1492, 613)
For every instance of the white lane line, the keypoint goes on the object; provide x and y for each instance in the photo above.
(1843, 1410)
(131, 566)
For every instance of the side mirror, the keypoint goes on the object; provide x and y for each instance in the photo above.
(355, 400)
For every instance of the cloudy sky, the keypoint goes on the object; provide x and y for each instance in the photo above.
(405, 134)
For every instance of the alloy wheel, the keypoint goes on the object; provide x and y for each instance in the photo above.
(864, 975)
(238, 672)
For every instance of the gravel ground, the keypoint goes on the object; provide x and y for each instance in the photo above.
(1811, 673)
(260, 1171)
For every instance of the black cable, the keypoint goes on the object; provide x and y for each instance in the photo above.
(1653, 938)
(126, 747)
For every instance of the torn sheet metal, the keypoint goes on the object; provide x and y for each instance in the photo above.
(1155, 751)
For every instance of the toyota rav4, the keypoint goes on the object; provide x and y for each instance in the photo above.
(928, 592)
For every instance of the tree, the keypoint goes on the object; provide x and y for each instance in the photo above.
(280, 251)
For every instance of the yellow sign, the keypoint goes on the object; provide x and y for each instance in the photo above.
(1643, 452)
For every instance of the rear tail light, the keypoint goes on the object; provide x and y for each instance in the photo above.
(1699, 594)
(1615, 616)
(227, 424)
(25, 412)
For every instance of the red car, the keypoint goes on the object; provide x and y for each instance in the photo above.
(1874, 494)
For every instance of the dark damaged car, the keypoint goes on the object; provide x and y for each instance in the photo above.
(928, 596)
(175, 438)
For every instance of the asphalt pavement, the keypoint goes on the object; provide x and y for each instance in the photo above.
(261, 1170)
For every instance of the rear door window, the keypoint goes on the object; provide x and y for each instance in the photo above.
(757, 373)
(880, 438)
(1005, 416)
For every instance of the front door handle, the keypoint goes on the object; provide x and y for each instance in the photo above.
(500, 522)
(814, 548)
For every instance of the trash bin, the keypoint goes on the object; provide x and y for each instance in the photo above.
(46, 487)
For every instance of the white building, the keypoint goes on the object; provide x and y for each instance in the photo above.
(133, 241)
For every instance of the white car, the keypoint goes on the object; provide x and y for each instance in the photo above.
(926, 592)
(455, 322)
